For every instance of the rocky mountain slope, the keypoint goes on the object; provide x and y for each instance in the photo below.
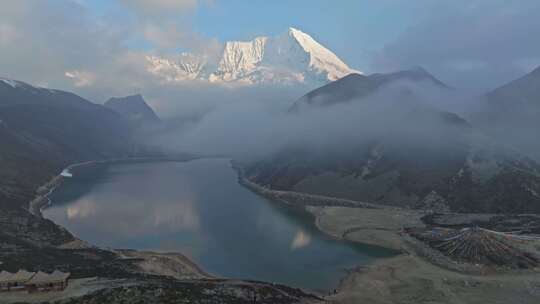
(41, 132)
(357, 86)
(291, 58)
(412, 155)
(523, 92)
(511, 113)
(133, 108)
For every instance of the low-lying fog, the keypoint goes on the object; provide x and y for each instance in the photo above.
(253, 122)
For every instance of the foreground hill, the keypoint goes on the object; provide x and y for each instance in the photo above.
(406, 154)
(42, 130)
(511, 113)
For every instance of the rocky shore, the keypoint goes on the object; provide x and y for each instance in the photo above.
(296, 198)
(419, 274)
(171, 264)
(153, 276)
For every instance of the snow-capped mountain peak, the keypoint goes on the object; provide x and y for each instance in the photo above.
(291, 58)
(240, 58)
(185, 66)
(321, 61)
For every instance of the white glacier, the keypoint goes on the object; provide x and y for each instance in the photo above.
(186, 66)
(290, 58)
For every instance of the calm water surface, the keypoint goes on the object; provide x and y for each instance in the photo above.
(198, 208)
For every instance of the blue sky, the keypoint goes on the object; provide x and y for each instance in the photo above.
(353, 29)
(471, 44)
(349, 29)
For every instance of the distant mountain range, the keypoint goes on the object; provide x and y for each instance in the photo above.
(357, 86)
(418, 156)
(524, 91)
(291, 58)
(134, 108)
(511, 114)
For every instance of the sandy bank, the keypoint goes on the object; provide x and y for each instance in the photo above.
(409, 279)
(418, 275)
(379, 227)
(415, 277)
(172, 264)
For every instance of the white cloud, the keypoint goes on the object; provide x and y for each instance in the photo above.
(81, 78)
(166, 25)
(59, 43)
(158, 8)
(8, 34)
(166, 36)
(473, 46)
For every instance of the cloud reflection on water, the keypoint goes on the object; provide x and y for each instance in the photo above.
(176, 216)
(198, 208)
(301, 240)
(121, 218)
(82, 209)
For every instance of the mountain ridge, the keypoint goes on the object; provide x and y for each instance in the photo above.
(407, 153)
(41, 132)
(358, 86)
(510, 113)
(290, 58)
(134, 108)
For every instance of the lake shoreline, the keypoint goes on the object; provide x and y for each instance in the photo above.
(41, 200)
(309, 203)
(338, 219)
(174, 260)
(312, 205)
(399, 279)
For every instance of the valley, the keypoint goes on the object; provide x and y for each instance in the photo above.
(364, 190)
(197, 208)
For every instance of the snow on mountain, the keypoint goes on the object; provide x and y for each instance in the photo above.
(293, 57)
(239, 59)
(299, 50)
(9, 82)
(186, 66)
(15, 84)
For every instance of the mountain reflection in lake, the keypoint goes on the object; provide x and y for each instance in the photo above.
(199, 209)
